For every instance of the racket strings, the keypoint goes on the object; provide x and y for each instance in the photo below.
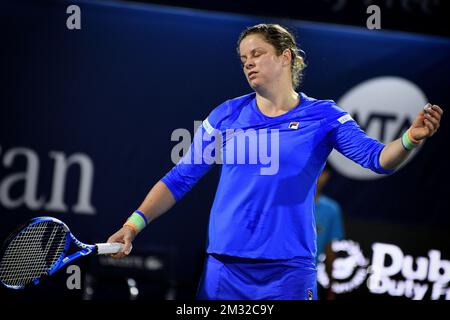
(32, 253)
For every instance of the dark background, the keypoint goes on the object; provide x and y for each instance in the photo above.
(421, 16)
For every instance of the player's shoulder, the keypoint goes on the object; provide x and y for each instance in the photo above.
(242, 101)
(326, 107)
(228, 107)
(326, 110)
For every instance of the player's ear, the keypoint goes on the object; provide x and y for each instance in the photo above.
(287, 57)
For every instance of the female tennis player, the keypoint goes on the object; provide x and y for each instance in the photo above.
(262, 237)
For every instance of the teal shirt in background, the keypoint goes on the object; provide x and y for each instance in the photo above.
(328, 215)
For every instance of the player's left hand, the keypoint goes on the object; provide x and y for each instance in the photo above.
(427, 122)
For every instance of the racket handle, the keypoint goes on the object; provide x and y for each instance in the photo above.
(109, 248)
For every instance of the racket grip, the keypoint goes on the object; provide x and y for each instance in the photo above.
(109, 248)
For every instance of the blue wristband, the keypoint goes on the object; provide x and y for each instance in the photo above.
(142, 215)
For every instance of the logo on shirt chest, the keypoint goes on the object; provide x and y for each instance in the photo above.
(294, 125)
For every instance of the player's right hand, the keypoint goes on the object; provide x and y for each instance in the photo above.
(126, 236)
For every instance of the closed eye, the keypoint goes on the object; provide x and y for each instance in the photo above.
(255, 53)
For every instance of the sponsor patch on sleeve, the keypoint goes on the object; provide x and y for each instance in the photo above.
(208, 127)
(345, 118)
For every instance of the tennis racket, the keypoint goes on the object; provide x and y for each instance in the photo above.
(39, 248)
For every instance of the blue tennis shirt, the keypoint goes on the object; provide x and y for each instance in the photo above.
(264, 203)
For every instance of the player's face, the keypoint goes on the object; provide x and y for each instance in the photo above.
(260, 62)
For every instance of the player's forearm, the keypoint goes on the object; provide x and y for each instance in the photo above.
(158, 201)
(393, 155)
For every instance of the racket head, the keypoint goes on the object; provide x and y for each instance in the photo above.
(33, 251)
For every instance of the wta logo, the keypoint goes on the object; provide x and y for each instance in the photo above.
(384, 108)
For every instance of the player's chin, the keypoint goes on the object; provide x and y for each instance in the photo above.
(254, 84)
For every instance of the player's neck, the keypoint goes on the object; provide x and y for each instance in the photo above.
(276, 102)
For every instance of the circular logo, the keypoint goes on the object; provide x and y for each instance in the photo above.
(384, 108)
(349, 267)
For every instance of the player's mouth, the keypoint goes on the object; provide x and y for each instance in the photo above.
(252, 74)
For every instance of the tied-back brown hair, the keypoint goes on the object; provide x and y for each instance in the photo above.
(281, 39)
